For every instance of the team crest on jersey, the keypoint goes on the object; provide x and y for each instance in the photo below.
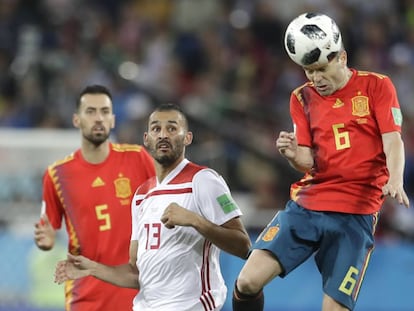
(270, 233)
(360, 106)
(122, 187)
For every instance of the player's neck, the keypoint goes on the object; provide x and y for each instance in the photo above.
(162, 171)
(347, 77)
(95, 154)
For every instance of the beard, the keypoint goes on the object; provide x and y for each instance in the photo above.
(96, 139)
(167, 159)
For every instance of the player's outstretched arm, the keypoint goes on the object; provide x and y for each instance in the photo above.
(395, 155)
(44, 234)
(76, 267)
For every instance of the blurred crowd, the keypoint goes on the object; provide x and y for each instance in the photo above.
(223, 61)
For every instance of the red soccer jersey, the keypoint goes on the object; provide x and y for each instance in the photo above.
(94, 200)
(344, 131)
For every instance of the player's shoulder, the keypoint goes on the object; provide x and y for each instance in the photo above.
(206, 176)
(362, 74)
(299, 91)
(134, 148)
(187, 173)
(146, 186)
(63, 161)
(374, 81)
(193, 168)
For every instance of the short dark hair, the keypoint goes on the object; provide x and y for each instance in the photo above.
(174, 107)
(93, 89)
(168, 107)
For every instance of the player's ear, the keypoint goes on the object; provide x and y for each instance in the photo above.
(145, 139)
(343, 57)
(113, 121)
(188, 139)
(75, 120)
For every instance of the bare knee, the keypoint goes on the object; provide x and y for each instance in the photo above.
(260, 269)
(247, 284)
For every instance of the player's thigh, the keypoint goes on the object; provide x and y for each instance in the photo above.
(329, 304)
(344, 256)
(260, 268)
(292, 236)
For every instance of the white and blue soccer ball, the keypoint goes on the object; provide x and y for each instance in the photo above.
(312, 39)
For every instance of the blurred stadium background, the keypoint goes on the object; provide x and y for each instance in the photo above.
(223, 61)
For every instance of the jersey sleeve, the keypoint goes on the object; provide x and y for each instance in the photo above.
(53, 206)
(387, 108)
(300, 120)
(213, 197)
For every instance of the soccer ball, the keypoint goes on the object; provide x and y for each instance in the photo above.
(312, 39)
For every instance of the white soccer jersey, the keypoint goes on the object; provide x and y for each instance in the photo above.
(178, 268)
